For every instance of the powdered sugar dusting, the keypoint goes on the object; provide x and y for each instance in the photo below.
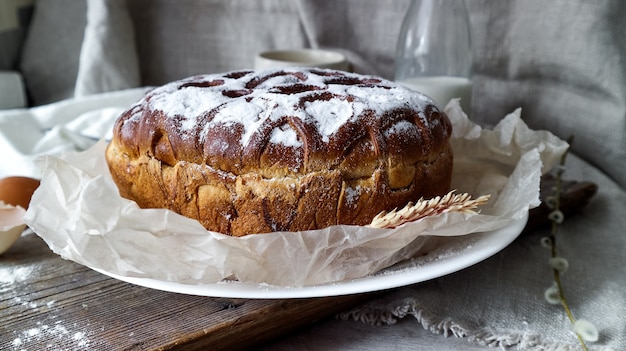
(329, 118)
(253, 99)
(188, 101)
(401, 127)
(55, 333)
(352, 194)
(286, 137)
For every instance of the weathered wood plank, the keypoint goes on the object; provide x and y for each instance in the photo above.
(50, 303)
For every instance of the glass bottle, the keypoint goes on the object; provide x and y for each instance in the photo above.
(434, 51)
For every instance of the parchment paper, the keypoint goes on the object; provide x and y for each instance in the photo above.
(77, 210)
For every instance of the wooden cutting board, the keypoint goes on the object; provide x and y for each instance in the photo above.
(50, 303)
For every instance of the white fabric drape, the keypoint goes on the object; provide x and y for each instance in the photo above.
(108, 58)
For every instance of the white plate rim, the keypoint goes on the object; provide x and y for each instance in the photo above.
(481, 247)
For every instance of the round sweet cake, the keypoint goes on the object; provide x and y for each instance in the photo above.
(290, 149)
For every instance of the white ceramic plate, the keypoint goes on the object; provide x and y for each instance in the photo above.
(455, 254)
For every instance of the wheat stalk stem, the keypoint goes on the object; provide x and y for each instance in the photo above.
(450, 202)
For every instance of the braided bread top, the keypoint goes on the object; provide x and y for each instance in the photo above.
(282, 122)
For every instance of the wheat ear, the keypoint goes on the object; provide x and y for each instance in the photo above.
(451, 202)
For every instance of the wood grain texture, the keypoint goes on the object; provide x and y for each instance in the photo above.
(50, 303)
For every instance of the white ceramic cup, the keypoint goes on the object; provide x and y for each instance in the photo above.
(301, 58)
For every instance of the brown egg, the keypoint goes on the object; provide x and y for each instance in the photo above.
(17, 191)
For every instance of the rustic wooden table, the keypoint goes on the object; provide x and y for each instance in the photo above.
(47, 303)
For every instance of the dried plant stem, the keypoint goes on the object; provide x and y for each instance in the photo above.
(553, 250)
(423, 208)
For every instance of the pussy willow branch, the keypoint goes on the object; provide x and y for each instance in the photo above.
(553, 250)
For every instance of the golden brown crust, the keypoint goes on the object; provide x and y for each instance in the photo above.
(281, 150)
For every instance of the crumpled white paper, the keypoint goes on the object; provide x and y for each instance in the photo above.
(77, 210)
